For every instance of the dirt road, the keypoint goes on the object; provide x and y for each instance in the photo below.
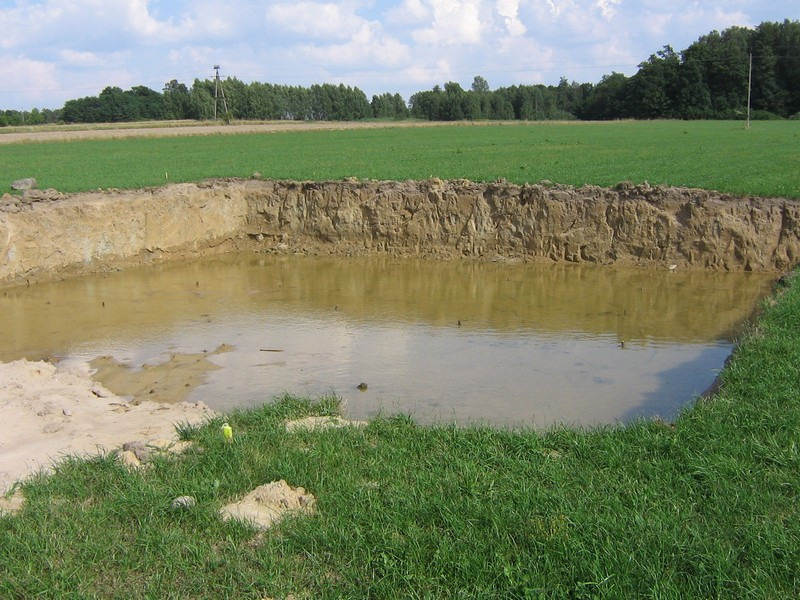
(45, 133)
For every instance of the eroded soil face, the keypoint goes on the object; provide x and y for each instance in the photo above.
(45, 235)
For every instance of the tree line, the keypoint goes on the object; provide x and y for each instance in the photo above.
(205, 101)
(710, 79)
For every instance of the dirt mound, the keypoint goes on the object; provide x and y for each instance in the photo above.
(269, 503)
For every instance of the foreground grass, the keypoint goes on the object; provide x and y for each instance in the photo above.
(707, 507)
(720, 155)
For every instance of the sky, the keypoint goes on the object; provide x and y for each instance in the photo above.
(55, 50)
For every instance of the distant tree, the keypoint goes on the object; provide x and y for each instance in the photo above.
(479, 104)
(776, 67)
(533, 102)
(236, 99)
(693, 100)
(113, 106)
(452, 106)
(201, 100)
(653, 90)
(569, 96)
(606, 100)
(787, 69)
(388, 106)
(298, 103)
(176, 101)
(71, 111)
(10, 118)
(427, 105)
(479, 85)
(35, 117)
(146, 103)
(724, 60)
(500, 105)
(400, 107)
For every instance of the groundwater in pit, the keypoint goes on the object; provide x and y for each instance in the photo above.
(497, 343)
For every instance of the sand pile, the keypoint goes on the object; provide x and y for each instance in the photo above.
(48, 411)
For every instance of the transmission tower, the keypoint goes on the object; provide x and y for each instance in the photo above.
(218, 89)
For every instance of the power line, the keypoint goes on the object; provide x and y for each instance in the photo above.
(218, 87)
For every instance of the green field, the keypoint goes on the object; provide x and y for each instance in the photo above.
(707, 507)
(719, 155)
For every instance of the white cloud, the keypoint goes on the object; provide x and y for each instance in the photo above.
(82, 59)
(37, 77)
(367, 46)
(531, 60)
(509, 11)
(555, 7)
(409, 12)
(721, 19)
(455, 22)
(74, 48)
(193, 56)
(656, 25)
(341, 37)
(315, 19)
(613, 54)
(140, 21)
(608, 8)
(429, 75)
(22, 25)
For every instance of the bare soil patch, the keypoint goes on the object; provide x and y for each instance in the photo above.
(176, 129)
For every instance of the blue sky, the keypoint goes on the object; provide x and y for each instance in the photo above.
(54, 50)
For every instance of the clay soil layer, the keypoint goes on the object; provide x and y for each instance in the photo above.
(46, 235)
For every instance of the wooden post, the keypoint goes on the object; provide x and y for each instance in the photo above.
(749, 87)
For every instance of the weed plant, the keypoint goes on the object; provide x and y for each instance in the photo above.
(705, 507)
(719, 155)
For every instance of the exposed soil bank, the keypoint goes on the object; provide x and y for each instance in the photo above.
(46, 235)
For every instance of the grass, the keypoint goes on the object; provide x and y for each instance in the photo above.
(720, 155)
(705, 507)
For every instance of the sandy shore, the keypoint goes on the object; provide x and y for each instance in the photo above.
(48, 411)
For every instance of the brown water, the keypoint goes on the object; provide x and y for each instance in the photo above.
(446, 341)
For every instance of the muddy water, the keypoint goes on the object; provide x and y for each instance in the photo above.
(508, 344)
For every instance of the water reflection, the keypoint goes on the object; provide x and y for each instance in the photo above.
(507, 344)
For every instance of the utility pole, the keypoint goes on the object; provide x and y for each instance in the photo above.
(217, 89)
(749, 87)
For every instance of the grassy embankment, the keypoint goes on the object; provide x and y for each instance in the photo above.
(720, 155)
(707, 507)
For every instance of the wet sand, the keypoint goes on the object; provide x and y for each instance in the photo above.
(170, 381)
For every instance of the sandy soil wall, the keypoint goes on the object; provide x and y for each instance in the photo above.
(47, 235)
